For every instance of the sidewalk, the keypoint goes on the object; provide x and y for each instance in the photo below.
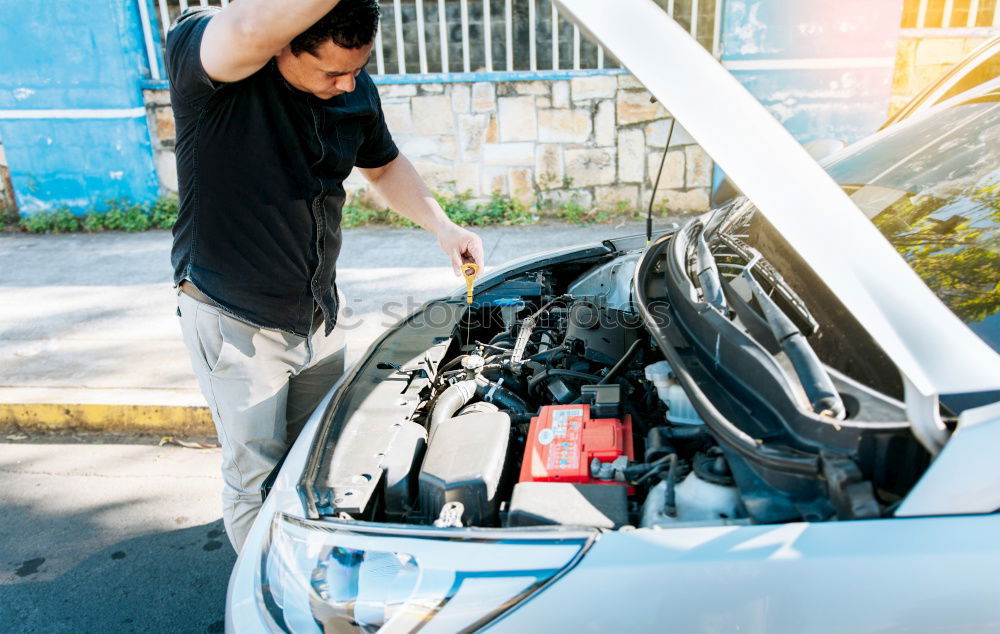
(89, 338)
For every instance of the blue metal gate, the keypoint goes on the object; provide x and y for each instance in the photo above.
(72, 119)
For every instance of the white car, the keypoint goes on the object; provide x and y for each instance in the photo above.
(975, 69)
(783, 416)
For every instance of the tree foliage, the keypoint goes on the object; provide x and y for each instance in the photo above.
(954, 245)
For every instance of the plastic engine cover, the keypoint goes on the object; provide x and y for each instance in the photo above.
(563, 440)
(463, 463)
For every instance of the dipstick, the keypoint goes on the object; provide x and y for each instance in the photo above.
(469, 270)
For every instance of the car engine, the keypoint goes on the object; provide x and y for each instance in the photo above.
(553, 399)
(553, 406)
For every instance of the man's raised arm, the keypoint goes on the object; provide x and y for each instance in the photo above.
(247, 33)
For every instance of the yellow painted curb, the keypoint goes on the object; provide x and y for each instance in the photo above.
(168, 419)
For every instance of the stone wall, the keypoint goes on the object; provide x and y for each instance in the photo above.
(919, 61)
(8, 207)
(160, 116)
(595, 140)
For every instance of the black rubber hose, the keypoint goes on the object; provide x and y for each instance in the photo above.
(545, 355)
(497, 339)
(546, 374)
(618, 367)
(688, 432)
(670, 498)
(450, 364)
(501, 396)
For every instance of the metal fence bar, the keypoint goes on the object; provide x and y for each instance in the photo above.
(421, 45)
(488, 35)
(922, 14)
(717, 31)
(508, 16)
(973, 13)
(575, 58)
(555, 38)
(532, 27)
(443, 35)
(147, 35)
(397, 13)
(949, 6)
(164, 18)
(379, 55)
(576, 47)
(465, 36)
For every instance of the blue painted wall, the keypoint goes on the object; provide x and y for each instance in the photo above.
(846, 101)
(66, 62)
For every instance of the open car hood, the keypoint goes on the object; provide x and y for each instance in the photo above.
(933, 349)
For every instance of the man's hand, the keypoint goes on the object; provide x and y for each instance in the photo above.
(400, 185)
(460, 245)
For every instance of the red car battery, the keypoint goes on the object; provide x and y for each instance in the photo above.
(563, 440)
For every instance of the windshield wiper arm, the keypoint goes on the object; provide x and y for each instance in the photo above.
(819, 388)
(708, 274)
(778, 283)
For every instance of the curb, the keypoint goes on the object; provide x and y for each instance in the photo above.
(147, 419)
(166, 411)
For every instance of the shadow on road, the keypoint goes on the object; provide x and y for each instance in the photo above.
(173, 581)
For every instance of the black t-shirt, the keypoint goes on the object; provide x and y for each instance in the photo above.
(260, 169)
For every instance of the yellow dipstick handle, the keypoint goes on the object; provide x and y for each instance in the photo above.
(469, 270)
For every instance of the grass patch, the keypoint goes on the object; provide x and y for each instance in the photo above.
(121, 215)
(572, 211)
(359, 211)
(500, 209)
(61, 220)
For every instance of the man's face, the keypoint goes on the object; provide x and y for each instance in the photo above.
(327, 73)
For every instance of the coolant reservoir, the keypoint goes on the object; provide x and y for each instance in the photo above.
(680, 411)
(696, 500)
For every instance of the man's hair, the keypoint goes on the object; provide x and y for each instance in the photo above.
(350, 24)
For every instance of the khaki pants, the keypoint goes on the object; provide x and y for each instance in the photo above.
(261, 386)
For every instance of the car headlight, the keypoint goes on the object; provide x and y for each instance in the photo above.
(342, 576)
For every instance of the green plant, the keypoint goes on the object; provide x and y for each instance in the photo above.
(625, 211)
(456, 207)
(93, 221)
(503, 210)
(360, 211)
(37, 222)
(572, 212)
(8, 216)
(123, 215)
(163, 213)
(500, 209)
(577, 214)
(61, 220)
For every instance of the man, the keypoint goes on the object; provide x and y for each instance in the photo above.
(273, 111)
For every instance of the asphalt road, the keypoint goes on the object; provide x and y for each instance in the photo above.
(127, 536)
(111, 538)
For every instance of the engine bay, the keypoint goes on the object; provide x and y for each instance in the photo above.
(570, 394)
(552, 409)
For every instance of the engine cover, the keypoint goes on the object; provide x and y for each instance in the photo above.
(563, 440)
(464, 463)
